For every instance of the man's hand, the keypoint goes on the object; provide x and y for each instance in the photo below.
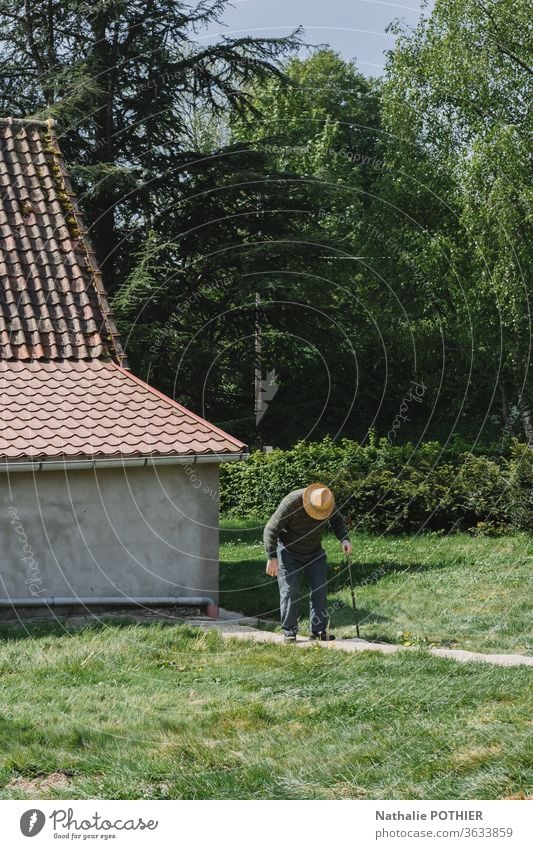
(272, 567)
(347, 546)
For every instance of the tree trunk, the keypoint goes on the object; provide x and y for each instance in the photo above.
(526, 414)
(506, 411)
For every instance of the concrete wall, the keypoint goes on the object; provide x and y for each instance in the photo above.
(138, 532)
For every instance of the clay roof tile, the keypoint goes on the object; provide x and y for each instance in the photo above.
(41, 250)
(95, 409)
(62, 395)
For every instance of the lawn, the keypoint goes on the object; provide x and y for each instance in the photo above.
(170, 711)
(161, 711)
(456, 590)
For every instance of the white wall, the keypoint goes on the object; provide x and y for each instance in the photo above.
(140, 532)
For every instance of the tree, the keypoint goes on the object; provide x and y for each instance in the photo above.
(319, 323)
(188, 308)
(120, 77)
(456, 98)
(261, 216)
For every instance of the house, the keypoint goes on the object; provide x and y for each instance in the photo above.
(109, 489)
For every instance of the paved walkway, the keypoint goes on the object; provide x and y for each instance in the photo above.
(231, 625)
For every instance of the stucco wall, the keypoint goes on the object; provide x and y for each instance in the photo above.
(140, 532)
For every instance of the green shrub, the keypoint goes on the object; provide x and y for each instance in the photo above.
(481, 490)
(392, 488)
(520, 491)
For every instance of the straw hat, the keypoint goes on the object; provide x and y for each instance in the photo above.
(318, 501)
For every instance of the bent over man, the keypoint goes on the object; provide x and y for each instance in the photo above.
(292, 539)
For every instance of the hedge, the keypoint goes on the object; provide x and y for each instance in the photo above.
(392, 488)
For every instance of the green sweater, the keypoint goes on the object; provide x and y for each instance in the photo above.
(298, 531)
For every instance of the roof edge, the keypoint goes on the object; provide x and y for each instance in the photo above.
(237, 442)
(67, 464)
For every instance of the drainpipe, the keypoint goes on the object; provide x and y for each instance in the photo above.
(116, 601)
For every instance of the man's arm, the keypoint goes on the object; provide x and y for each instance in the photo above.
(275, 525)
(338, 527)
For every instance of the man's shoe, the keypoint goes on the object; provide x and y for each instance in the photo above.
(323, 636)
(289, 638)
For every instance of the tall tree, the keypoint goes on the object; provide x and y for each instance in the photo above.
(272, 213)
(319, 323)
(120, 77)
(456, 108)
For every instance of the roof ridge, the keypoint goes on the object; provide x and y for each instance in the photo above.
(47, 257)
(7, 120)
(114, 345)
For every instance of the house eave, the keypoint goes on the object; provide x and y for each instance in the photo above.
(66, 464)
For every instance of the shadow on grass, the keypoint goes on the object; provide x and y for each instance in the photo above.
(372, 572)
(344, 616)
(246, 588)
(16, 631)
(248, 531)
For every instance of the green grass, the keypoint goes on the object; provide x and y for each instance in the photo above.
(172, 712)
(162, 711)
(459, 591)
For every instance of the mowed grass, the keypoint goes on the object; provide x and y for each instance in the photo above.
(161, 711)
(457, 591)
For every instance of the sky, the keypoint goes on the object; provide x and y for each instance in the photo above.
(355, 28)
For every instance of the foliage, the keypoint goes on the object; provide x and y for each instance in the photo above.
(319, 314)
(389, 488)
(456, 109)
(520, 477)
(383, 224)
(120, 77)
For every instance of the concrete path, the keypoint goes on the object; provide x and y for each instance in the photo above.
(233, 625)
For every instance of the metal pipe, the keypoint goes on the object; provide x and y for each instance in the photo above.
(119, 462)
(115, 601)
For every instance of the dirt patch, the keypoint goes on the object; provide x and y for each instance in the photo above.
(518, 796)
(475, 755)
(41, 785)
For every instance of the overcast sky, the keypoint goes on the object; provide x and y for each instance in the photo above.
(355, 28)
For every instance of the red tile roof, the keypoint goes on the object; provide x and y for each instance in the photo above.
(73, 410)
(52, 302)
(62, 395)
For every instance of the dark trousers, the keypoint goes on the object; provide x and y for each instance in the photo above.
(291, 565)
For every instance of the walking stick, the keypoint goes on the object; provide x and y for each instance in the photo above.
(352, 590)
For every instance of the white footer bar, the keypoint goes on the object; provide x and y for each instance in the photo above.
(267, 824)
